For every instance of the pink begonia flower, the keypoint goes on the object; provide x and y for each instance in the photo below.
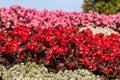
(31, 17)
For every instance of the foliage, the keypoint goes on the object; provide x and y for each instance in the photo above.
(102, 6)
(40, 72)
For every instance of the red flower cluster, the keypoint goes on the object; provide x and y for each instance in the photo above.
(62, 48)
(99, 52)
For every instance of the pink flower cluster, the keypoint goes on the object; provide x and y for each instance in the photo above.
(17, 15)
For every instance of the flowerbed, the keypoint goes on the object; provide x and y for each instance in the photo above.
(17, 15)
(61, 48)
(55, 39)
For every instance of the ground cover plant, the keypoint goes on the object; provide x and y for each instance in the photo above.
(32, 71)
